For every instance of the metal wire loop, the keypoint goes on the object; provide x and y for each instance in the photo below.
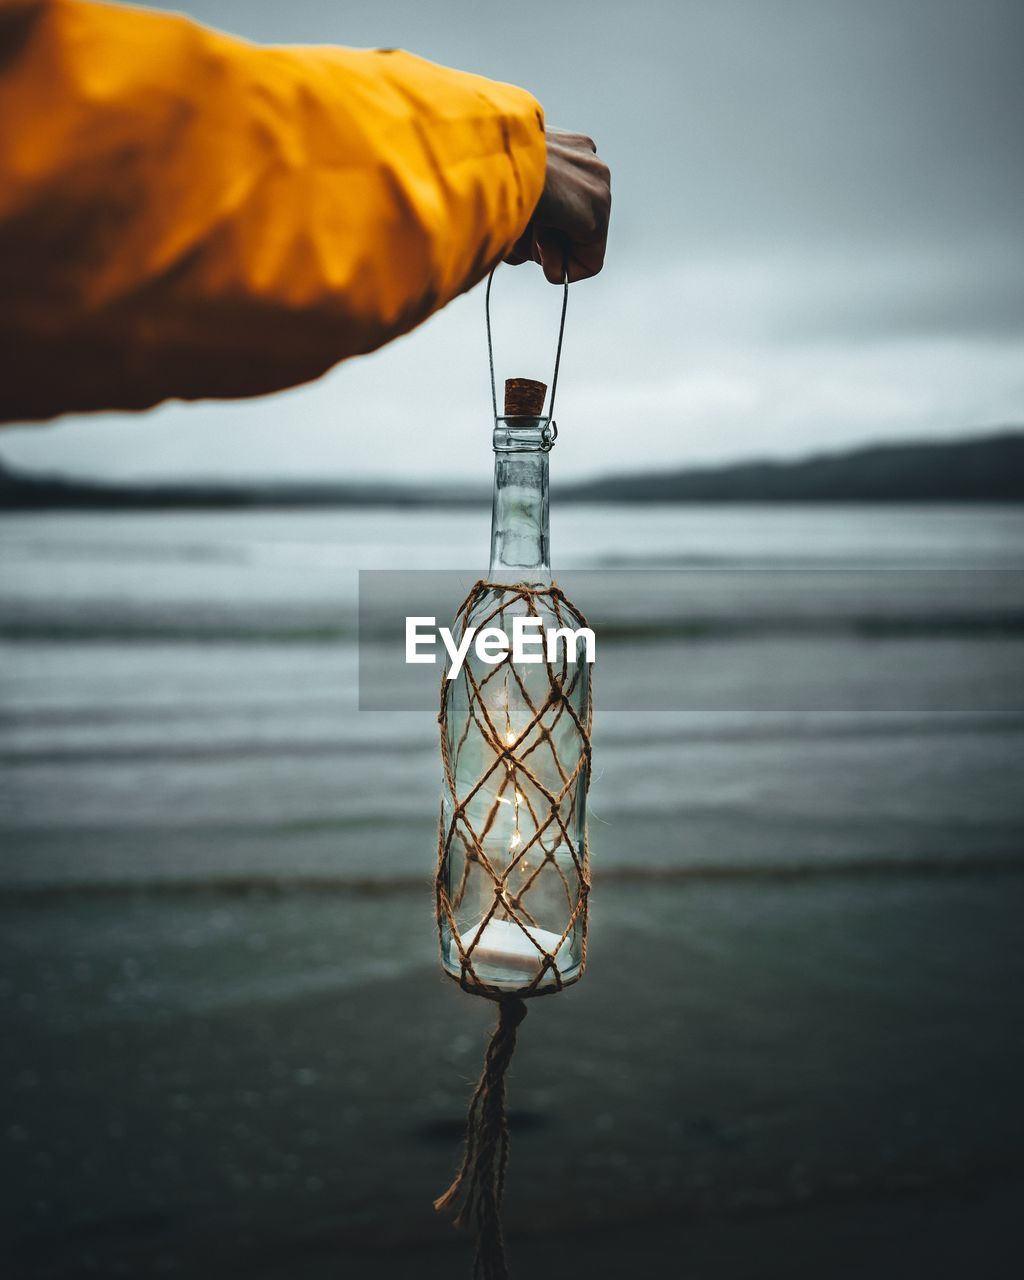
(558, 350)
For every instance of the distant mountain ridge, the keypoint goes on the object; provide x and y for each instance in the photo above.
(985, 468)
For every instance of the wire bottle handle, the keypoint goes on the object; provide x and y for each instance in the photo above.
(558, 349)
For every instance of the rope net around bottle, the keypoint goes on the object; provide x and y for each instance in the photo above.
(556, 735)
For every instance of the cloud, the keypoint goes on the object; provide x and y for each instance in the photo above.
(719, 380)
(816, 241)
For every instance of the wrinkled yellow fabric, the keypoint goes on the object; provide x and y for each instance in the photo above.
(186, 214)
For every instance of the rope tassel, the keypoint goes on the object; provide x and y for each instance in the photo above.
(480, 1181)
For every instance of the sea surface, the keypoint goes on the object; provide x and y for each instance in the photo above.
(227, 1047)
(178, 692)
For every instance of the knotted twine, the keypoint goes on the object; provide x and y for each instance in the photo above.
(479, 1184)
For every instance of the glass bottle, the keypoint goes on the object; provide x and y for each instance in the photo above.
(514, 863)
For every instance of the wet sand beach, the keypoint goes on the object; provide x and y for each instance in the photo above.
(201, 1083)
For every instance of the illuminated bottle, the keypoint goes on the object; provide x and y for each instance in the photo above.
(513, 876)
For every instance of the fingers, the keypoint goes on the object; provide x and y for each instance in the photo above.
(568, 232)
(555, 255)
(565, 137)
(586, 261)
(523, 249)
(576, 204)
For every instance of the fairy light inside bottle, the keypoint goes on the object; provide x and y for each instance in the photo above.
(513, 877)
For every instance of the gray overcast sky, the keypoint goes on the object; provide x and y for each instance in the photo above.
(817, 239)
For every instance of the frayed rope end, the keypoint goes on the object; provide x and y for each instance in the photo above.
(480, 1181)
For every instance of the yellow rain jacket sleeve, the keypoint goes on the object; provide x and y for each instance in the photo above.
(186, 214)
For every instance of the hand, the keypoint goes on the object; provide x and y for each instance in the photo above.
(569, 226)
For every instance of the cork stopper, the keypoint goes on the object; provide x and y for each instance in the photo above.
(524, 398)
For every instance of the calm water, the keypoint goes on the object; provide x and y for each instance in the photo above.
(179, 691)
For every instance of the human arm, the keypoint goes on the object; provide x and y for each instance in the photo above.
(186, 214)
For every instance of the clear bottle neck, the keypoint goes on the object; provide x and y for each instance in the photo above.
(520, 534)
